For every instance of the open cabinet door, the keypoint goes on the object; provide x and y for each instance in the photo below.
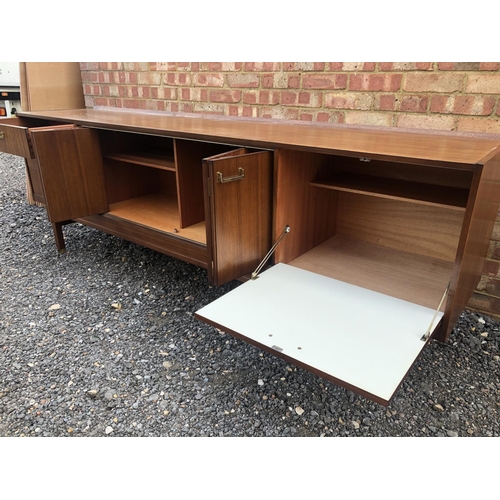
(238, 202)
(71, 169)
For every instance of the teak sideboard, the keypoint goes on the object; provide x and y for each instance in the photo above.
(378, 236)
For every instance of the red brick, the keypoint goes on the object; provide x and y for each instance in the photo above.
(324, 81)
(249, 111)
(385, 102)
(462, 104)
(131, 103)
(209, 80)
(269, 97)
(176, 79)
(187, 107)
(440, 104)
(423, 66)
(225, 95)
(301, 98)
(225, 66)
(288, 98)
(294, 82)
(489, 66)
(306, 117)
(482, 302)
(89, 66)
(386, 66)
(250, 97)
(279, 81)
(491, 267)
(260, 97)
(335, 66)
(376, 82)
(322, 117)
(473, 105)
(101, 101)
(459, 66)
(415, 103)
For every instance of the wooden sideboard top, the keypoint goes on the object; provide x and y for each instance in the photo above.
(414, 146)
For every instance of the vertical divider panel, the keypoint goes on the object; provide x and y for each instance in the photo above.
(188, 157)
(310, 212)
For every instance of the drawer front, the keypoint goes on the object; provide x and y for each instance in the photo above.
(14, 139)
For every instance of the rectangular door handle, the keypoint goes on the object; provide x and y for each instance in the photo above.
(231, 178)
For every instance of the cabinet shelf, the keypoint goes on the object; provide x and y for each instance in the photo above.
(411, 277)
(158, 211)
(397, 189)
(162, 160)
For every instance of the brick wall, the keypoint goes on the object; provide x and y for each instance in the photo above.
(426, 95)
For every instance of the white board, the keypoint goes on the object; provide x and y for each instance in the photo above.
(363, 338)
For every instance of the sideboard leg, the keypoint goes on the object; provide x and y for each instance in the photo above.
(59, 237)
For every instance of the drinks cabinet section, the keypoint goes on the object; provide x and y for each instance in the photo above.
(389, 227)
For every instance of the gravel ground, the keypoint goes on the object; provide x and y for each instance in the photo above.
(102, 341)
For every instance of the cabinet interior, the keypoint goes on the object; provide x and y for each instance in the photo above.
(157, 181)
(389, 227)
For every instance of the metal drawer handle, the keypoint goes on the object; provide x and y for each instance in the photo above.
(231, 178)
(2, 136)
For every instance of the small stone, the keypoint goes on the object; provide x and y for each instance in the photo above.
(355, 424)
(70, 430)
(116, 305)
(260, 382)
(109, 429)
(452, 433)
(54, 307)
(109, 394)
(299, 410)
(167, 364)
(438, 407)
(92, 393)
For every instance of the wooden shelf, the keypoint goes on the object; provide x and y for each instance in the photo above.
(396, 189)
(162, 160)
(411, 277)
(158, 211)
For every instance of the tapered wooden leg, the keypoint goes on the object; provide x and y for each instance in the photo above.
(59, 237)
